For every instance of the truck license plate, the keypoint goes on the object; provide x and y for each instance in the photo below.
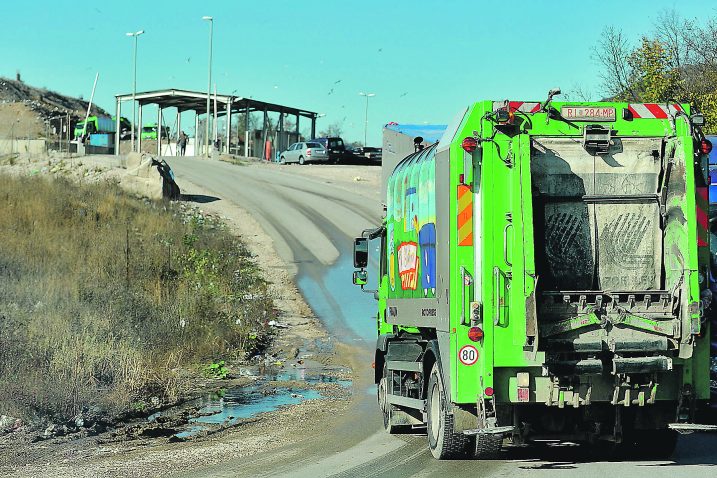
(523, 394)
(587, 113)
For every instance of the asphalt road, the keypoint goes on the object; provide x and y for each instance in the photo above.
(312, 222)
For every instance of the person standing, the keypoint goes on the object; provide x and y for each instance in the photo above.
(182, 143)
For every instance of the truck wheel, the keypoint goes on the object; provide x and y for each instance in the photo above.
(382, 403)
(442, 441)
(488, 446)
(301, 160)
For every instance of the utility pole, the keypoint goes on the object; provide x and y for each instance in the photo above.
(89, 105)
(68, 135)
(209, 81)
(214, 125)
(365, 129)
(134, 84)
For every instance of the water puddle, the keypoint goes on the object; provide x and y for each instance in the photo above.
(299, 374)
(344, 309)
(270, 392)
(241, 404)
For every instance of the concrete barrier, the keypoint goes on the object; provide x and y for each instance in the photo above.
(31, 146)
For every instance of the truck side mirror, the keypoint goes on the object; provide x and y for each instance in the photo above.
(360, 277)
(360, 252)
(697, 119)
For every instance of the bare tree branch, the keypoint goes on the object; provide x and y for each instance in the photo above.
(613, 52)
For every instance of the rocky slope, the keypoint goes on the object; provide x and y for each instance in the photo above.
(24, 109)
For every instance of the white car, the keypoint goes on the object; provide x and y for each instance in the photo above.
(304, 152)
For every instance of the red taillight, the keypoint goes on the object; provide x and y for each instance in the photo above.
(705, 146)
(308, 152)
(489, 391)
(475, 334)
(469, 144)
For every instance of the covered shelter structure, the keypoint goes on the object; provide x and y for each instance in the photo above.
(221, 106)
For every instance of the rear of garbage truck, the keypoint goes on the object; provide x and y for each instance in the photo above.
(554, 279)
(599, 302)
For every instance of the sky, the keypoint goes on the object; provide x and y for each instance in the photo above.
(424, 60)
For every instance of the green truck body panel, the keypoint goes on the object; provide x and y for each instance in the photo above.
(510, 237)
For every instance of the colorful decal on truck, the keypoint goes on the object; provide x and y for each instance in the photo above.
(408, 265)
(411, 227)
(427, 240)
(409, 216)
(426, 221)
(391, 258)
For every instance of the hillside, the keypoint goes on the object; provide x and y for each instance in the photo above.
(24, 109)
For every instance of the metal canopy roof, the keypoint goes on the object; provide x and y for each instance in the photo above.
(186, 100)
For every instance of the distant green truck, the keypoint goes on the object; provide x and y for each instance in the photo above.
(149, 131)
(543, 273)
(102, 124)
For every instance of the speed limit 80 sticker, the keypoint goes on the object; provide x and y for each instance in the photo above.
(468, 355)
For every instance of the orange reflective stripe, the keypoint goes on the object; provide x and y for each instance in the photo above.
(465, 216)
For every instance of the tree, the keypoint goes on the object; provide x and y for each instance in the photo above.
(577, 92)
(653, 79)
(333, 130)
(677, 62)
(613, 52)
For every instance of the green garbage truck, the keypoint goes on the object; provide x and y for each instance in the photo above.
(544, 274)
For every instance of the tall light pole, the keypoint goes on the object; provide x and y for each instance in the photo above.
(365, 129)
(134, 84)
(209, 81)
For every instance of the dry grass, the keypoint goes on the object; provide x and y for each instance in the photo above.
(104, 298)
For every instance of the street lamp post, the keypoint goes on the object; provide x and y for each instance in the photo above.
(209, 81)
(134, 83)
(365, 130)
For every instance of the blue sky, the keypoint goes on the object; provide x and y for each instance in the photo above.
(424, 60)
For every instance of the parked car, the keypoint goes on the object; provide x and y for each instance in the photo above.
(335, 147)
(304, 152)
(372, 154)
(713, 177)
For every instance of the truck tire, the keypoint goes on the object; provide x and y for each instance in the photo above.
(386, 408)
(442, 441)
(487, 446)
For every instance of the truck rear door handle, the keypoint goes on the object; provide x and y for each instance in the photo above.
(466, 281)
(497, 291)
(505, 244)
